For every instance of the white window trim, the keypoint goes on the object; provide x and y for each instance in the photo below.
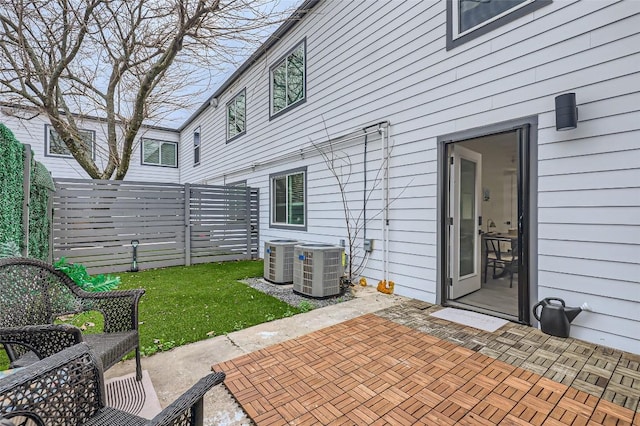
(197, 146)
(159, 164)
(456, 19)
(47, 144)
(272, 113)
(233, 102)
(272, 199)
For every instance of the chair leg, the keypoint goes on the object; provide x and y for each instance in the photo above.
(510, 277)
(138, 365)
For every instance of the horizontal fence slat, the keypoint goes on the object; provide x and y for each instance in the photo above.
(220, 258)
(87, 252)
(119, 230)
(118, 194)
(123, 223)
(115, 268)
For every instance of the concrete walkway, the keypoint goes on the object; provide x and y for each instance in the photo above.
(173, 372)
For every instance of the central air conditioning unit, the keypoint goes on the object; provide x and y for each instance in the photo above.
(278, 261)
(317, 269)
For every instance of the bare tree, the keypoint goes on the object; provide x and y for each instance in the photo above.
(124, 61)
(340, 165)
(357, 213)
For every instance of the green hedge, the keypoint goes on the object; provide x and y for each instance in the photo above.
(39, 221)
(12, 155)
(11, 192)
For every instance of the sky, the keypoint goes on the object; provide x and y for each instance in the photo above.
(217, 77)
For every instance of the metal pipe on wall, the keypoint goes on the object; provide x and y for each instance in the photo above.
(300, 153)
(384, 156)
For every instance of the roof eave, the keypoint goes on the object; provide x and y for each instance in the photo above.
(274, 38)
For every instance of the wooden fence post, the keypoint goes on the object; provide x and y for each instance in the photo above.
(248, 219)
(187, 224)
(26, 199)
(50, 215)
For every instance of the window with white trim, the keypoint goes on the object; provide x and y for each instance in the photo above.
(159, 153)
(468, 19)
(236, 116)
(288, 80)
(196, 146)
(55, 146)
(288, 199)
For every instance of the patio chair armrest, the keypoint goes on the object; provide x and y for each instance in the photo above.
(44, 340)
(47, 390)
(189, 404)
(119, 308)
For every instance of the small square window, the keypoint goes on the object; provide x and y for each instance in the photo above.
(288, 80)
(236, 116)
(55, 146)
(468, 19)
(196, 146)
(159, 153)
(288, 199)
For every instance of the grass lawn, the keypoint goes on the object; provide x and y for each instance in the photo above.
(187, 304)
(191, 303)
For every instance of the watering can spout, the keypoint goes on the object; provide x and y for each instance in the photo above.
(572, 313)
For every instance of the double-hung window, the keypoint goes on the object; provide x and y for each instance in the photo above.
(159, 153)
(55, 146)
(468, 19)
(196, 146)
(288, 199)
(236, 116)
(288, 80)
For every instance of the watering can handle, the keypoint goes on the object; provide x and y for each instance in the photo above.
(535, 310)
(545, 302)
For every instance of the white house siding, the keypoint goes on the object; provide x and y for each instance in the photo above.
(32, 132)
(386, 61)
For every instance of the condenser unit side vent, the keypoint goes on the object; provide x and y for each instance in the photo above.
(317, 269)
(278, 261)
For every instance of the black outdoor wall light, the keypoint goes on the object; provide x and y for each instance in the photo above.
(134, 261)
(566, 112)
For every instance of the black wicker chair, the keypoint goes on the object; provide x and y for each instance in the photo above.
(67, 388)
(33, 294)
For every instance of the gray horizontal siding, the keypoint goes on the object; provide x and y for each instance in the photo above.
(32, 132)
(389, 62)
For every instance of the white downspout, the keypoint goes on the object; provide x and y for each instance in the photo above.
(385, 203)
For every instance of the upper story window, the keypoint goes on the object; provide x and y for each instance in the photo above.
(159, 153)
(236, 116)
(196, 146)
(288, 199)
(288, 80)
(55, 146)
(468, 19)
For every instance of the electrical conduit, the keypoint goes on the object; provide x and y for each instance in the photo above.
(385, 204)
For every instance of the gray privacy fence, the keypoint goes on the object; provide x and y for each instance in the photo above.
(94, 222)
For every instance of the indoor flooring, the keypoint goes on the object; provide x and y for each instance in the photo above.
(495, 295)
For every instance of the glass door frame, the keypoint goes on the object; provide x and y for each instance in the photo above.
(527, 211)
(464, 283)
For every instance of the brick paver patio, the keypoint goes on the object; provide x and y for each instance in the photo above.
(401, 366)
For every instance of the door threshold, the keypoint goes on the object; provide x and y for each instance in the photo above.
(454, 304)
